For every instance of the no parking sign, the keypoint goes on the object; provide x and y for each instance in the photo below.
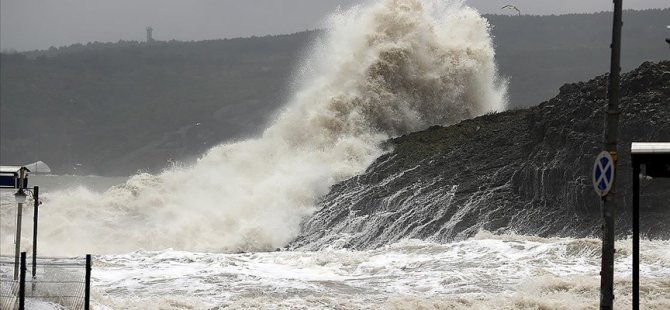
(603, 173)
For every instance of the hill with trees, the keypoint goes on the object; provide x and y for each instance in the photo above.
(115, 108)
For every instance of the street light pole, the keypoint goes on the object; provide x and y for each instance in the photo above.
(609, 201)
(22, 175)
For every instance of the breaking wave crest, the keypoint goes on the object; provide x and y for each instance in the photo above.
(384, 69)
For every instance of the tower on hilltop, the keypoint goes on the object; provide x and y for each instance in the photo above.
(149, 37)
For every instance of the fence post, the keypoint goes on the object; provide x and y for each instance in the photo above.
(87, 289)
(22, 282)
(36, 205)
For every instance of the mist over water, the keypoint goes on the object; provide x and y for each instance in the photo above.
(383, 70)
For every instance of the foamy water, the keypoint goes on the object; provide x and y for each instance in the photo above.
(485, 272)
(384, 69)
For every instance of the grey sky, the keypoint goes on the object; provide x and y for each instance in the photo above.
(38, 24)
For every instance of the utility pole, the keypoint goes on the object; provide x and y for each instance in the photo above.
(612, 126)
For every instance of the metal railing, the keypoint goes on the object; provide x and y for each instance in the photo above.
(62, 281)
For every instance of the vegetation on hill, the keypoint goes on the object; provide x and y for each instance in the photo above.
(541, 53)
(114, 108)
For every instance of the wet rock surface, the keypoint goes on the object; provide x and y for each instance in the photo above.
(524, 171)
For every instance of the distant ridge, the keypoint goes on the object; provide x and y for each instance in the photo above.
(115, 108)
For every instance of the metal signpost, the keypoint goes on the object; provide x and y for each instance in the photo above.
(603, 183)
(609, 198)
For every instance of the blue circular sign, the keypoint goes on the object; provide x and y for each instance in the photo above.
(603, 173)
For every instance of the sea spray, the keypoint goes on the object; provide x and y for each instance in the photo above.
(487, 271)
(383, 69)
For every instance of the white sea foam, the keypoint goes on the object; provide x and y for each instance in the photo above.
(484, 272)
(384, 69)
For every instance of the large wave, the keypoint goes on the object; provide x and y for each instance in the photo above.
(383, 69)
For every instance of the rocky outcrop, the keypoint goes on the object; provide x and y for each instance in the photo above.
(524, 171)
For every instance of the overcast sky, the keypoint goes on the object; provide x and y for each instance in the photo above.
(38, 24)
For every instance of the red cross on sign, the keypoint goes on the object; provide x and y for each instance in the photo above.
(603, 173)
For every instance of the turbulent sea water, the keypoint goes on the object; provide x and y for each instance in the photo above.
(485, 272)
(204, 236)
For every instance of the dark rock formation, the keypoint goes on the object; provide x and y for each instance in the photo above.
(524, 171)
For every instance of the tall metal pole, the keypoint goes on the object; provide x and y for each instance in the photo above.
(36, 204)
(17, 241)
(609, 201)
(636, 235)
(22, 283)
(87, 288)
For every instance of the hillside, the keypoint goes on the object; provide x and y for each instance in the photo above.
(524, 171)
(115, 108)
(541, 53)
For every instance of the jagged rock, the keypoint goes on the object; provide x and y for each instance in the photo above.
(524, 171)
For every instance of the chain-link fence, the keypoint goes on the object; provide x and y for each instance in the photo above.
(9, 288)
(58, 281)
